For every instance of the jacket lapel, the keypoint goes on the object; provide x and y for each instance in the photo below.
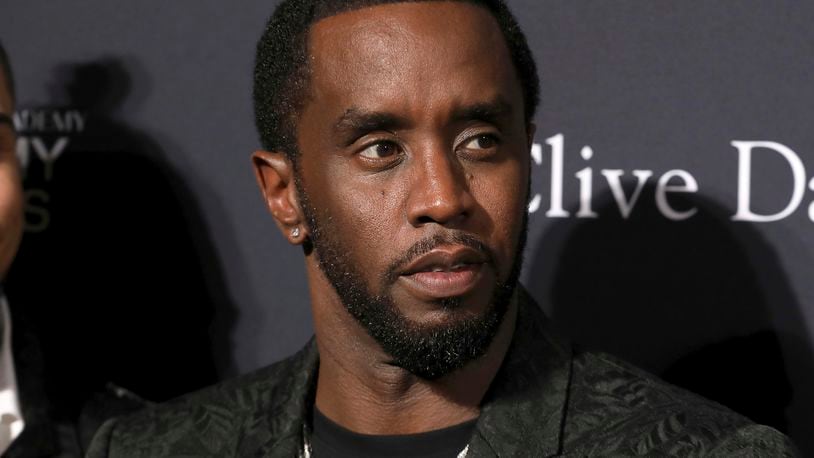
(275, 430)
(524, 410)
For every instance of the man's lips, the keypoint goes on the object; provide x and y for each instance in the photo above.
(447, 271)
(443, 259)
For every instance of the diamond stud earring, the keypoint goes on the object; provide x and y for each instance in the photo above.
(295, 232)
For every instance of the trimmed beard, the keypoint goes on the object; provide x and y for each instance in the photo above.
(427, 351)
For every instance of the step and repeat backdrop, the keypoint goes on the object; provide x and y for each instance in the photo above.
(672, 210)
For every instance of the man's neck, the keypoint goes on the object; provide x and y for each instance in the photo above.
(359, 390)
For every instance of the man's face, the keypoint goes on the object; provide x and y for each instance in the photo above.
(413, 175)
(11, 214)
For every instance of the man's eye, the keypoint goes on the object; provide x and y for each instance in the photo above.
(381, 150)
(481, 142)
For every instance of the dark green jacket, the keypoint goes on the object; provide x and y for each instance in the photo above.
(547, 400)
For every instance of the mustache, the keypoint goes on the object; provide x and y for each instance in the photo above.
(428, 244)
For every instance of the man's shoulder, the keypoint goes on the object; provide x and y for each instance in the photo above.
(213, 421)
(615, 407)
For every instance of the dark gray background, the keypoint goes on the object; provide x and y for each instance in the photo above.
(710, 303)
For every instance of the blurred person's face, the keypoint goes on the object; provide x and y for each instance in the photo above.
(11, 193)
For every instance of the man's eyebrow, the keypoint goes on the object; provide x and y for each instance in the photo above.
(355, 122)
(491, 112)
(359, 121)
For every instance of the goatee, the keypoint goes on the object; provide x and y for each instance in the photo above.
(428, 351)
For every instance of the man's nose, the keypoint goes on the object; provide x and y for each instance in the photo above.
(439, 192)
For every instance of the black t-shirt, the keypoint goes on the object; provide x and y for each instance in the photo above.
(330, 440)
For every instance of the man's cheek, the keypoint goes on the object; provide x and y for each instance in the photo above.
(370, 207)
(506, 216)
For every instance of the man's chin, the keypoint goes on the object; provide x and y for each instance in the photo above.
(443, 315)
(435, 351)
(443, 339)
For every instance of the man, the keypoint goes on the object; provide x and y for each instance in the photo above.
(397, 140)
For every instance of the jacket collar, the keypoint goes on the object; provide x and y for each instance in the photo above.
(277, 428)
(522, 415)
(524, 411)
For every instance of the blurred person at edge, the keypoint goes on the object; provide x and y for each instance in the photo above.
(28, 426)
(12, 422)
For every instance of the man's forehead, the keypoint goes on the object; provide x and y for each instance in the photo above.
(389, 28)
(405, 50)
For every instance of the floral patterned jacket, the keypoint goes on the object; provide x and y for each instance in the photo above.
(547, 400)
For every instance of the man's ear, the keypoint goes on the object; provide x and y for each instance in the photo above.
(275, 176)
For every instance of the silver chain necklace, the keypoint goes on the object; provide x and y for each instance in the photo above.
(306, 446)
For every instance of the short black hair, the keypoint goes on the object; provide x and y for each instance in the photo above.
(5, 67)
(281, 72)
